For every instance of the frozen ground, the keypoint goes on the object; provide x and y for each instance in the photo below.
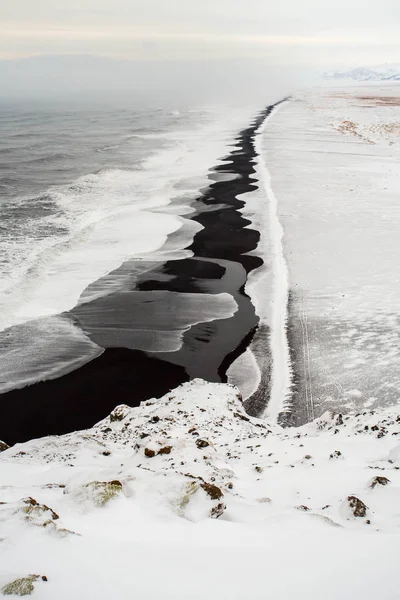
(333, 155)
(186, 497)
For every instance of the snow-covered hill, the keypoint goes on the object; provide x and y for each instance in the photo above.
(187, 497)
(390, 72)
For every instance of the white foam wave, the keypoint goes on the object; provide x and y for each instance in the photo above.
(103, 219)
(279, 345)
(147, 324)
(268, 289)
(42, 349)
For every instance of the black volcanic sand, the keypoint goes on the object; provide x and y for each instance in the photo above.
(124, 374)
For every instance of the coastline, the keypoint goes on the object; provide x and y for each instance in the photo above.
(220, 253)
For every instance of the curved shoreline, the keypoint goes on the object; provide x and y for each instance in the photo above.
(121, 375)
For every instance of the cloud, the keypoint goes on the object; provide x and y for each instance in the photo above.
(206, 29)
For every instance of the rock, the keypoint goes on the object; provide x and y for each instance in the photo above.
(303, 508)
(119, 413)
(38, 514)
(23, 586)
(379, 480)
(165, 450)
(99, 492)
(3, 446)
(202, 443)
(242, 417)
(60, 532)
(259, 469)
(335, 454)
(212, 490)
(190, 489)
(149, 453)
(358, 508)
(217, 511)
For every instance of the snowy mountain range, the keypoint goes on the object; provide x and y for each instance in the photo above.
(377, 73)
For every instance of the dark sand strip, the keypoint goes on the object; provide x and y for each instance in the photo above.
(120, 375)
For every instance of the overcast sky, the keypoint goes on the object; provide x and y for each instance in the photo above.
(307, 32)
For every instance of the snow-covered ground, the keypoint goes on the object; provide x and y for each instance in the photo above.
(333, 155)
(187, 498)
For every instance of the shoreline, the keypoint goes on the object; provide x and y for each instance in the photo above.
(336, 180)
(220, 252)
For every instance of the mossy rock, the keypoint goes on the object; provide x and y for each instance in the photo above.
(60, 532)
(22, 587)
(190, 489)
(104, 491)
(38, 514)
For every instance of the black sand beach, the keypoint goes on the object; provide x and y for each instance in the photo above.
(123, 374)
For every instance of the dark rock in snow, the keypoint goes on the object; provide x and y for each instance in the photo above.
(242, 417)
(202, 443)
(357, 506)
(335, 454)
(149, 453)
(3, 446)
(165, 450)
(379, 480)
(217, 511)
(212, 490)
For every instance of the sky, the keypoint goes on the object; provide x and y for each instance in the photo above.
(310, 33)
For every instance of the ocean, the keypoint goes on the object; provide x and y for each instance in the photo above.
(94, 197)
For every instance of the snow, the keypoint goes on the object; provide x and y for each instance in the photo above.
(286, 528)
(187, 497)
(333, 157)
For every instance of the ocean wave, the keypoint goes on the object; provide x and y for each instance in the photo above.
(63, 240)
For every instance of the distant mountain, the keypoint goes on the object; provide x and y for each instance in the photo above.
(386, 72)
